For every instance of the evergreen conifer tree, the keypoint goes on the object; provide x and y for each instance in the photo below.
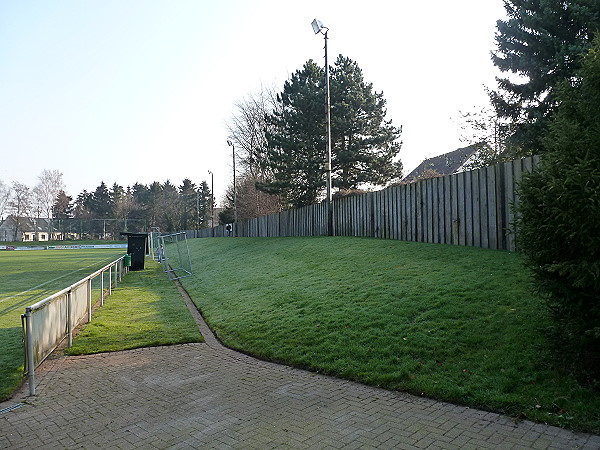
(364, 144)
(559, 228)
(542, 42)
(296, 151)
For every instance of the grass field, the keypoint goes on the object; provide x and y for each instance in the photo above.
(448, 322)
(156, 315)
(49, 243)
(27, 277)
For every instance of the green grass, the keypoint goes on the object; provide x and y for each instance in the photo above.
(49, 243)
(448, 322)
(27, 277)
(155, 314)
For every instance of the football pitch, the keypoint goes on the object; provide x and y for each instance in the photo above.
(29, 276)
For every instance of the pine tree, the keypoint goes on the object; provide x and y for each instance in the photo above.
(296, 151)
(140, 198)
(101, 202)
(63, 206)
(187, 192)
(364, 143)
(83, 205)
(204, 205)
(170, 209)
(542, 42)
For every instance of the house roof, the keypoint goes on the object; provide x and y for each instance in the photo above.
(26, 224)
(445, 164)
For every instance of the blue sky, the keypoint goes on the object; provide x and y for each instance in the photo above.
(140, 90)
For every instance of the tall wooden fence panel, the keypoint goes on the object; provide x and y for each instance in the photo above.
(473, 208)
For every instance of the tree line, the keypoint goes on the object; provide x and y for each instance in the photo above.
(163, 205)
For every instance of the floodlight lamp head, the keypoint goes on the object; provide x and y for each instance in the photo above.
(317, 26)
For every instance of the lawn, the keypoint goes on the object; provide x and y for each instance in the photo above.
(27, 277)
(448, 322)
(156, 315)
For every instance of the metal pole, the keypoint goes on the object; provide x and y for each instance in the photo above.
(328, 162)
(212, 199)
(234, 190)
(89, 299)
(69, 321)
(234, 196)
(30, 359)
(102, 288)
(328, 112)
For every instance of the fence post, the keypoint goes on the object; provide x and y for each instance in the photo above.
(89, 299)
(102, 288)
(110, 280)
(69, 320)
(29, 349)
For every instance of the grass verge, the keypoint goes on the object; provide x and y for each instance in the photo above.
(145, 310)
(448, 322)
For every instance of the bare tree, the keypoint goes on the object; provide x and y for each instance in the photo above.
(5, 192)
(19, 205)
(483, 128)
(251, 202)
(247, 130)
(50, 183)
(37, 202)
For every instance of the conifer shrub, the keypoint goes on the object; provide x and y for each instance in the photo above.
(559, 225)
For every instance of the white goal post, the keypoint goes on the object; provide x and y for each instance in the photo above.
(174, 255)
(153, 242)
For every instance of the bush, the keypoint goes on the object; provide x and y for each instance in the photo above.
(559, 226)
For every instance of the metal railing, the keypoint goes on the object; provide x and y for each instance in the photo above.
(47, 323)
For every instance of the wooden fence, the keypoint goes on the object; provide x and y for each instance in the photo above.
(471, 208)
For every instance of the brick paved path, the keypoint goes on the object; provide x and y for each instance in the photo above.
(206, 396)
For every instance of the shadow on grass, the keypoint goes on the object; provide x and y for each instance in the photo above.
(11, 360)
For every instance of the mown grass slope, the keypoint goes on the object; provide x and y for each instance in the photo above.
(448, 322)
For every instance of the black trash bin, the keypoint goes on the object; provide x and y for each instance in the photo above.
(136, 247)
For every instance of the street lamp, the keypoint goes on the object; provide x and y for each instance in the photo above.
(234, 190)
(212, 199)
(318, 27)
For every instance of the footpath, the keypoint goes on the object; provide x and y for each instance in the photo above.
(207, 396)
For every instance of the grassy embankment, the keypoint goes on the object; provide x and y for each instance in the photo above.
(453, 323)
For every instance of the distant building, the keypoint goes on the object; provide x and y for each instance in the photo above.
(446, 164)
(28, 229)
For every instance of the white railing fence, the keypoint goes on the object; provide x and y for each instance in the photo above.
(50, 321)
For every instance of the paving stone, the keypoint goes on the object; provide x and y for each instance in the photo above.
(207, 396)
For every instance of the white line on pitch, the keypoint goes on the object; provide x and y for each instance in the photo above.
(50, 281)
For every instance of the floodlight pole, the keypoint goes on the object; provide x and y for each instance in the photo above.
(319, 28)
(212, 199)
(234, 191)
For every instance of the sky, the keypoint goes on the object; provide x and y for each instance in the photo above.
(126, 91)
